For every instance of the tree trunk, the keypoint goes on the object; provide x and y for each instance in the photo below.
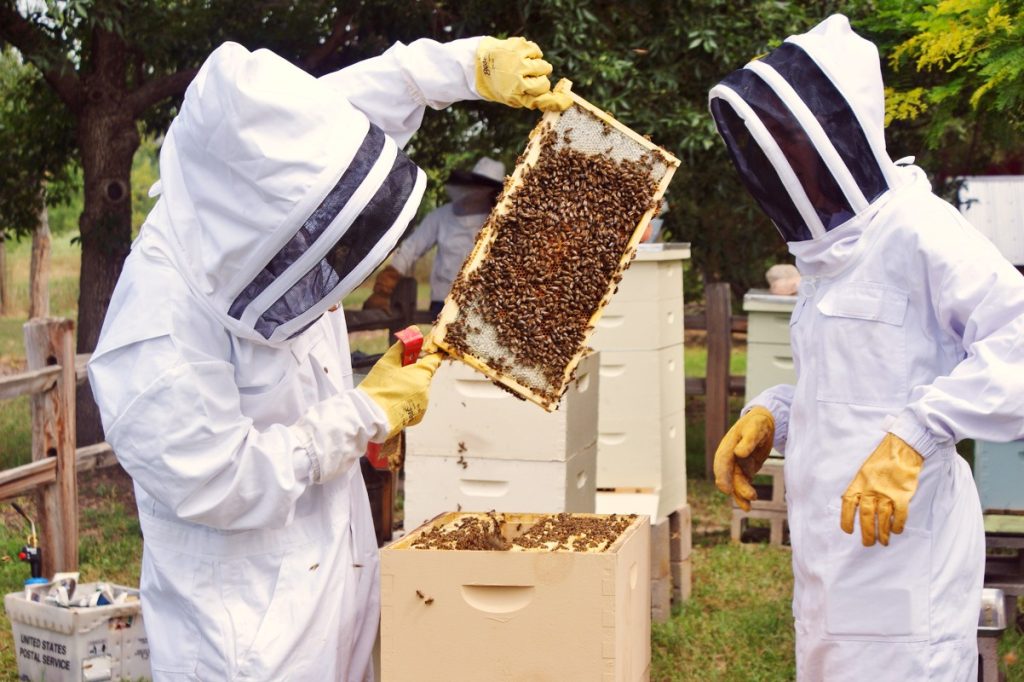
(5, 295)
(39, 270)
(107, 140)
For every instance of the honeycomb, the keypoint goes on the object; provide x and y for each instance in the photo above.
(550, 255)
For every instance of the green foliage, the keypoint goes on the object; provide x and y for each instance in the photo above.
(37, 142)
(956, 77)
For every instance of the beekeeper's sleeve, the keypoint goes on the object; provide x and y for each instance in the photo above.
(394, 89)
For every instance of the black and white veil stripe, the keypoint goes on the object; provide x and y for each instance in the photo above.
(342, 241)
(798, 144)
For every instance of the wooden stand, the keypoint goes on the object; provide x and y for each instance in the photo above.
(770, 505)
(1005, 571)
(671, 568)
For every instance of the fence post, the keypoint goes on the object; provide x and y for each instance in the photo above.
(719, 316)
(50, 341)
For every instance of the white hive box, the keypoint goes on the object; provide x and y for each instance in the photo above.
(769, 353)
(642, 382)
(643, 460)
(98, 643)
(469, 415)
(641, 451)
(639, 325)
(646, 313)
(511, 616)
(437, 484)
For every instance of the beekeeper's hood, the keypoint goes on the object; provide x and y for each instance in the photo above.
(279, 197)
(805, 129)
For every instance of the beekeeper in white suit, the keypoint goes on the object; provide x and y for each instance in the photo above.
(907, 336)
(222, 376)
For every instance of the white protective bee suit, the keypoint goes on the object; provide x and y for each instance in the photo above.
(908, 321)
(224, 383)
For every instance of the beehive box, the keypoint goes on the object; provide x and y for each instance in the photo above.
(437, 484)
(457, 615)
(550, 255)
(471, 416)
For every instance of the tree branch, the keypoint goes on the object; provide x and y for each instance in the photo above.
(44, 53)
(151, 92)
(317, 56)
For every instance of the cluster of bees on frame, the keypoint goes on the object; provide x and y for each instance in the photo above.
(549, 533)
(558, 250)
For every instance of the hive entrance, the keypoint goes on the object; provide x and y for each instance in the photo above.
(551, 253)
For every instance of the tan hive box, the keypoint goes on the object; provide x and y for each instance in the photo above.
(508, 616)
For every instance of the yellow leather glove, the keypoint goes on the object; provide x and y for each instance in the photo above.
(741, 454)
(401, 392)
(882, 489)
(512, 72)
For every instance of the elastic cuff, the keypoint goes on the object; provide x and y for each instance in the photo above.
(380, 419)
(913, 433)
(779, 414)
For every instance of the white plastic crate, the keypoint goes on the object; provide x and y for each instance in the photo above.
(439, 484)
(470, 416)
(640, 325)
(98, 643)
(642, 382)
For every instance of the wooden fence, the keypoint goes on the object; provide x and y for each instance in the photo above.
(718, 384)
(51, 381)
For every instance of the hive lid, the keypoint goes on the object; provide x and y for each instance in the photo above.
(548, 259)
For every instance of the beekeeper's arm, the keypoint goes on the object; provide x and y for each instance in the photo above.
(764, 422)
(171, 412)
(978, 299)
(419, 241)
(394, 89)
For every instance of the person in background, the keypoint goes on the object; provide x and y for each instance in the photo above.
(907, 337)
(223, 373)
(452, 227)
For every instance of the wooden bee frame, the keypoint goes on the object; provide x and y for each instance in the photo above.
(582, 111)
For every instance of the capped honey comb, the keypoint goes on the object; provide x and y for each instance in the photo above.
(550, 255)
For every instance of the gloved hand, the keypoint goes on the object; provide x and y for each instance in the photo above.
(741, 454)
(401, 392)
(385, 283)
(512, 72)
(882, 488)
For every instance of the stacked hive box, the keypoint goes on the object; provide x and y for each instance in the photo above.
(769, 362)
(480, 448)
(641, 451)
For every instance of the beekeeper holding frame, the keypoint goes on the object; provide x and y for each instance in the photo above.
(222, 372)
